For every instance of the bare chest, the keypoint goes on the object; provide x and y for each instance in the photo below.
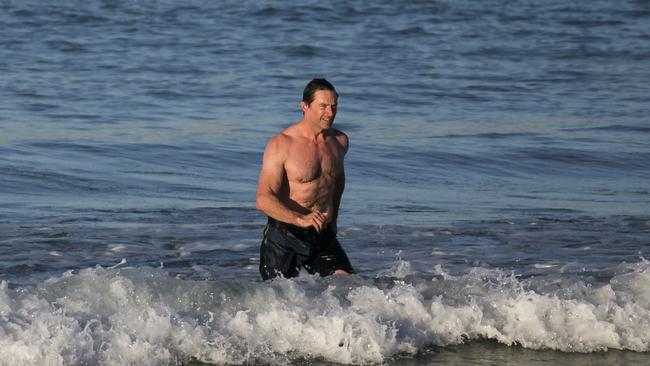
(313, 162)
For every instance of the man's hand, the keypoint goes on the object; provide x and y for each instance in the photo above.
(315, 219)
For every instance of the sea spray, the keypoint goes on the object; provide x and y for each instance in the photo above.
(144, 316)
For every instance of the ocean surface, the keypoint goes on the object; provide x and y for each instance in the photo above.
(497, 205)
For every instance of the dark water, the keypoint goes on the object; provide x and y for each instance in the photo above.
(497, 204)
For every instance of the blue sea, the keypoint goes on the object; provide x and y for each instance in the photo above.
(497, 204)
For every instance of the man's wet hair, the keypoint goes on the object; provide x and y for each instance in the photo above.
(315, 85)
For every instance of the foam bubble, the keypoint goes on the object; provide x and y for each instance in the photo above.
(116, 316)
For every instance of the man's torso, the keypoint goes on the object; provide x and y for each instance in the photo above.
(312, 168)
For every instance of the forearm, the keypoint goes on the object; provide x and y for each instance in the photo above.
(286, 212)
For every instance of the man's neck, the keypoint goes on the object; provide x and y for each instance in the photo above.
(311, 130)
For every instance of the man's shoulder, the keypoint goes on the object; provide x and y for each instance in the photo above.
(277, 142)
(281, 141)
(339, 134)
(336, 133)
(341, 137)
(284, 137)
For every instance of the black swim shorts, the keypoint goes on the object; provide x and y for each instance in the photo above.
(286, 248)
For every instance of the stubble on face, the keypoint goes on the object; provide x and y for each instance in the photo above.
(322, 110)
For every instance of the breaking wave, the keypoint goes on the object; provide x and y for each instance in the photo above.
(145, 316)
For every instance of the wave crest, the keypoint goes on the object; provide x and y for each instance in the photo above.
(144, 316)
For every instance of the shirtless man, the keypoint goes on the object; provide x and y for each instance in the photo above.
(299, 189)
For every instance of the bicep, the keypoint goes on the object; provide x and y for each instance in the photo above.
(345, 145)
(272, 172)
(345, 142)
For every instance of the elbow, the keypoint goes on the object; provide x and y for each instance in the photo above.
(264, 201)
(259, 203)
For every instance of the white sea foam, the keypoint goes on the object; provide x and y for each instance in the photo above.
(144, 316)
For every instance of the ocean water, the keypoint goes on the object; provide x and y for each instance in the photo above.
(497, 205)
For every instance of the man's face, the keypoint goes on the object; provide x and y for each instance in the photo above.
(322, 109)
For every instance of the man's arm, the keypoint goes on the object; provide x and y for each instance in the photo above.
(340, 182)
(272, 189)
(338, 193)
(269, 184)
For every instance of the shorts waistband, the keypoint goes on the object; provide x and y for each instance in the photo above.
(309, 234)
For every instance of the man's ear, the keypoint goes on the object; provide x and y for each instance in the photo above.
(303, 106)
